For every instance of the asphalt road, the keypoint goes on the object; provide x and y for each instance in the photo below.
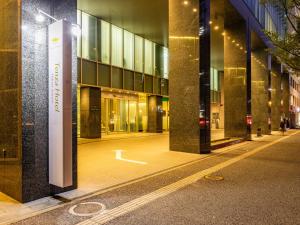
(261, 185)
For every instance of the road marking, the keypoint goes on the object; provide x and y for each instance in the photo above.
(128, 207)
(119, 157)
(101, 210)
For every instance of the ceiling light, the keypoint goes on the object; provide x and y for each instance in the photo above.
(186, 2)
(216, 27)
(195, 10)
(40, 18)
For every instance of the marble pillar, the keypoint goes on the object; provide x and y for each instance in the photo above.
(235, 74)
(276, 96)
(260, 92)
(184, 76)
(155, 114)
(35, 151)
(90, 112)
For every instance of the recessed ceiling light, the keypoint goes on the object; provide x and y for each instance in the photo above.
(40, 18)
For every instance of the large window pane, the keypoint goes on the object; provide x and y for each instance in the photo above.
(128, 50)
(148, 57)
(104, 42)
(166, 62)
(117, 46)
(139, 52)
(89, 27)
(79, 36)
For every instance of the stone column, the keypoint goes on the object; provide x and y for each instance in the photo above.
(184, 76)
(35, 143)
(90, 112)
(260, 92)
(155, 114)
(276, 109)
(235, 74)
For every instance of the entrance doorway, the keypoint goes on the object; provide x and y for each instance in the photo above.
(121, 113)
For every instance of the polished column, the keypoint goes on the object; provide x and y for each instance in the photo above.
(204, 79)
(155, 114)
(90, 112)
(184, 76)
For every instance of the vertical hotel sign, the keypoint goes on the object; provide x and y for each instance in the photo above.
(60, 104)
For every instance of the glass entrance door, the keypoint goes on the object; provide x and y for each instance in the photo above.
(118, 115)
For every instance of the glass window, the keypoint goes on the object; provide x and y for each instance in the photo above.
(128, 50)
(79, 36)
(89, 27)
(148, 57)
(104, 45)
(166, 62)
(216, 80)
(139, 52)
(117, 46)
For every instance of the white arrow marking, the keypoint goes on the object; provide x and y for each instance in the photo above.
(119, 157)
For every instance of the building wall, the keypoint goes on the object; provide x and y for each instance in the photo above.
(35, 182)
(10, 93)
(184, 76)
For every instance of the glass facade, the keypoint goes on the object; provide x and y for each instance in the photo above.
(128, 50)
(270, 17)
(116, 46)
(89, 31)
(148, 56)
(139, 54)
(100, 41)
(104, 35)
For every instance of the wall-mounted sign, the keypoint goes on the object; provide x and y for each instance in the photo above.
(60, 104)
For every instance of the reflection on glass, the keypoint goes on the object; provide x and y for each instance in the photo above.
(132, 116)
(139, 51)
(148, 57)
(105, 42)
(165, 115)
(117, 46)
(142, 114)
(128, 50)
(166, 62)
(89, 26)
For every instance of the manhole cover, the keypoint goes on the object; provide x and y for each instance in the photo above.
(214, 177)
(87, 209)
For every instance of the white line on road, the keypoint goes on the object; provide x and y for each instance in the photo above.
(121, 210)
(119, 157)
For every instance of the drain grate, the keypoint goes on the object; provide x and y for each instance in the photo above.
(214, 177)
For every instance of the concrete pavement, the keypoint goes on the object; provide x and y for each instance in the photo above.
(261, 186)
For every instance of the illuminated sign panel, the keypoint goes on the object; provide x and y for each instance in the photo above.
(60, 104)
